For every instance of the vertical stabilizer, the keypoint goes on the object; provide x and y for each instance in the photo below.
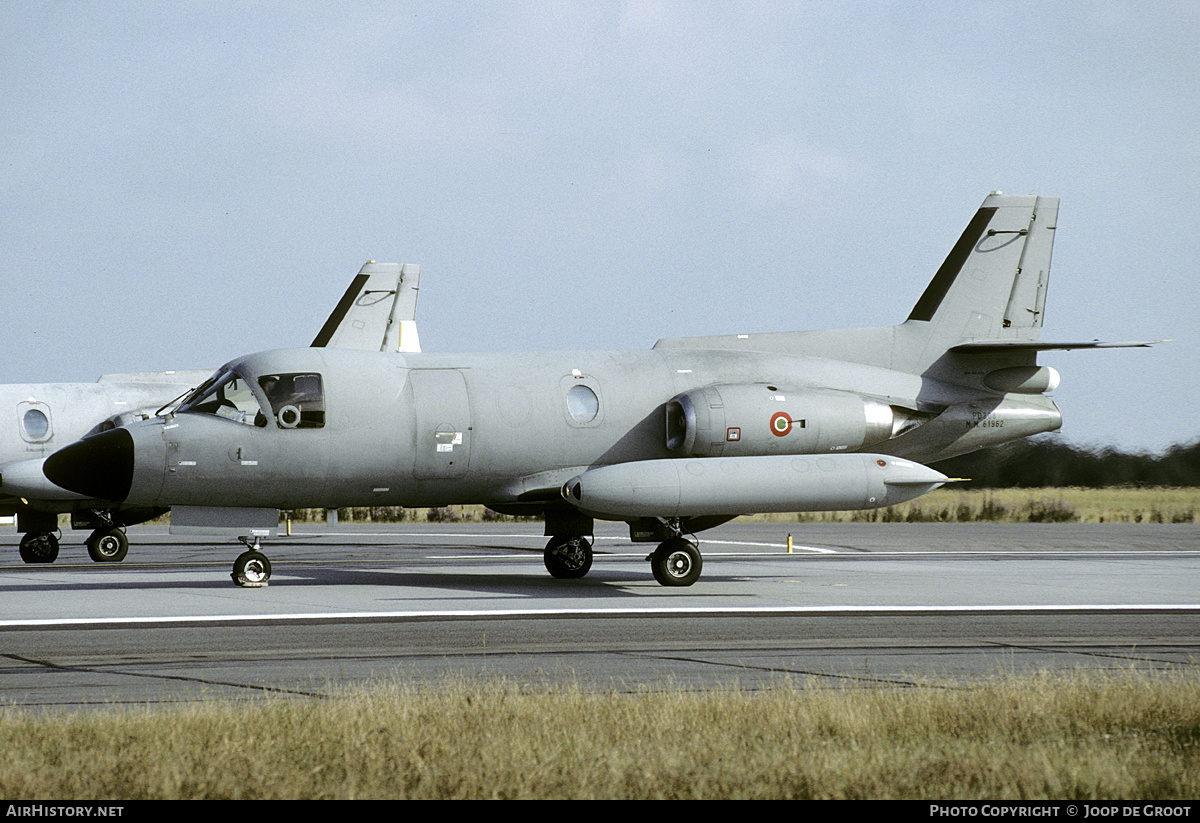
(993, 284)
(377, 312)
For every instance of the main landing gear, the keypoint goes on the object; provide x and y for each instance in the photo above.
(104, 546)
(676, 561)
(568, 556)
(39, 541)
(252, 569)
(39, 547)
(108, 545)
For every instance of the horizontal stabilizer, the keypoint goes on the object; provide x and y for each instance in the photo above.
(183, 377)
(1000, 346)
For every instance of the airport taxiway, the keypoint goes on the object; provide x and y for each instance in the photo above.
(355, 604)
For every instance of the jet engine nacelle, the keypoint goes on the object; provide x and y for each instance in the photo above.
(761, 419)
(746, 485)
(1023, 379)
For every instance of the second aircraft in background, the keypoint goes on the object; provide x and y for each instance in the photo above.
(377, 313)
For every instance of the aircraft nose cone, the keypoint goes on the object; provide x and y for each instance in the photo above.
(100, 466)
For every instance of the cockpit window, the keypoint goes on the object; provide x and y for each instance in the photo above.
(297, 400)
(226, 395)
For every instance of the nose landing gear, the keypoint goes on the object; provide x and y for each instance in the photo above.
(252, 569)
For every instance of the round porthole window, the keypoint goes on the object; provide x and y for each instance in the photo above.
(36, 424)
(582, 404)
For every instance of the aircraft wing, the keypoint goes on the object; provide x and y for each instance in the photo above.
(377, 312)
(184, 378)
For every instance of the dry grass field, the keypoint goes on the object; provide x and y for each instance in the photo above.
(1065, 505)
(1058, 736)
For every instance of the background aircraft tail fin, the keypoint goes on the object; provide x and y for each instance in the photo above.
(993, 284)
(377, 312)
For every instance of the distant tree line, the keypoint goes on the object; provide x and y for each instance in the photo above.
(1041, 462)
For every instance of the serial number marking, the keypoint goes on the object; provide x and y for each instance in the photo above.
(984, 420)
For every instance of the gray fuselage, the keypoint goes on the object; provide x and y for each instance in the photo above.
(428, 429)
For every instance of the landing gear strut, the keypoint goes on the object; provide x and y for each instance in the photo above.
(252, 569)
(568, 556)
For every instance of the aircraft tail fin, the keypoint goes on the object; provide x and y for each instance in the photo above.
(377, 312)
(993, 284)
(987, 300)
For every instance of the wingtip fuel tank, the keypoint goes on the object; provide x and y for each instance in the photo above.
(742, 485)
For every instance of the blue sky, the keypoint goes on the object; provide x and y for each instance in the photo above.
(184, 183)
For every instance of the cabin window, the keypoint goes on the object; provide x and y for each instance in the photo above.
(582, 404)
(36, 424)
(297, 400)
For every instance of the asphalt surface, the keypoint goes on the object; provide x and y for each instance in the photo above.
(350, 605)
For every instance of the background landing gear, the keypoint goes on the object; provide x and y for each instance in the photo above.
(39, 547)
(568, 556)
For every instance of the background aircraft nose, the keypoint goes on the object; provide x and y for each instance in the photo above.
(99, 466)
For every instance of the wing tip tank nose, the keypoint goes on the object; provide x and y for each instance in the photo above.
(898, 472)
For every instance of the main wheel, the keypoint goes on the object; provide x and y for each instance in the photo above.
(39, 547)
(676, 562)
(252, 569)
(108, 546)
(568, 557)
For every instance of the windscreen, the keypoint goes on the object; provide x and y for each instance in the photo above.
(226, 395)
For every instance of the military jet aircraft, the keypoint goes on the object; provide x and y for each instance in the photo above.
(671, 440)
(376, 313)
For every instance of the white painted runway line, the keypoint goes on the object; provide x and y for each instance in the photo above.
(500, 614)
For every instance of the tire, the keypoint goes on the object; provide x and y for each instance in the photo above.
(251, 570)
(676, 562)
(568, 558)
(39, 547)
(108, 546)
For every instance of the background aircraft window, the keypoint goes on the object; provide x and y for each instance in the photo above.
(297, 400)
(36, 424)
(582, 404)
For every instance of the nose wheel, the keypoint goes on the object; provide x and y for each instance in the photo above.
(252, 569)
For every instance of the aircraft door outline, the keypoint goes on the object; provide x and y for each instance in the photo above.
(442, 417)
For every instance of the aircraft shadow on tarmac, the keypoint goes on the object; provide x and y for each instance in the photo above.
(602, 582)
(599, 583)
